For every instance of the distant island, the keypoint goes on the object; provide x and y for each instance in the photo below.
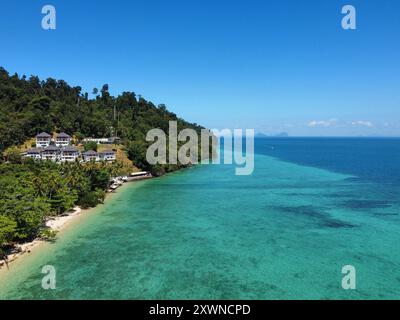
(263, 135)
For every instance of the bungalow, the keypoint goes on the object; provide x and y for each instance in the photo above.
(43, 140)
(63, 140)
(51, 153)
(69, 154)
(34, 153)
(90, 156)
(107, 155)
(97, 140)
(102, 140)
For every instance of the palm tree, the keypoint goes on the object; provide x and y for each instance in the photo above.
(39, 184)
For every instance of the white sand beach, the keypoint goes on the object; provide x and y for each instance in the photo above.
(58, 224)
(55, 224)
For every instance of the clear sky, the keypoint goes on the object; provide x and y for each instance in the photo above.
(270, 65)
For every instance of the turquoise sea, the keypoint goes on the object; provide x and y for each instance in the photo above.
(285, 232)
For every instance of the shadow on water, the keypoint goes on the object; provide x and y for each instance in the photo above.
(319, 217)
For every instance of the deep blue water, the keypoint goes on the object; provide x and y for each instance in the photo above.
(369, 159)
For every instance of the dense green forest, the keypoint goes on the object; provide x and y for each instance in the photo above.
(29, 106)
(31, 192)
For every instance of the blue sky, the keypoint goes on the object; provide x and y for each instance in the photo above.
(270, 65)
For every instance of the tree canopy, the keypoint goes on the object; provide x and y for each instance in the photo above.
(29, 106)
(31, 192)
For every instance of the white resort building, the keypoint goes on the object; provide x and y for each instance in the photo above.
(51, 153)
(97, 140)
(110, 140)
(60, 149)
(34, 153)
(90, 156)
(43, 140)
(63, 140)
(69, 154)
(107, 155)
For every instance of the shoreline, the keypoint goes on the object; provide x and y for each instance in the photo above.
(57, 224)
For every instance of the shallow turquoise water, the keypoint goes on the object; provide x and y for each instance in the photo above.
(282, 233)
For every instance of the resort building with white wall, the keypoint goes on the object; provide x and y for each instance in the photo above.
(69, 154)
(107, 155)
(110, 140)
(60, 149)
(51, 153)
(43, 140)
(63, 140)
(34, 153)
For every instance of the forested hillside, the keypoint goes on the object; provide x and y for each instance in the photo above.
(33, 191)
(30, 105)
